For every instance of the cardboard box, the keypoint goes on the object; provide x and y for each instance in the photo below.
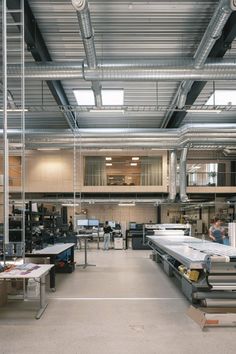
(213, 317)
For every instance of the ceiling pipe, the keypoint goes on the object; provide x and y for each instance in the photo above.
(212, 70)
(87, 34)
(183, 175)
(172, 175)
(206, 130)
(152, 132)
(213, 32)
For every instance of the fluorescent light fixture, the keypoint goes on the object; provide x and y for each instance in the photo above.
(107, 111)
(69, 204)
(127, 204)
(135, 158)
(133, 164)
(210, 111)
(108, 164)
(15, 110)
(48, 149)
(109, 97)
(108, 158)
(222, 98)
(110, 149)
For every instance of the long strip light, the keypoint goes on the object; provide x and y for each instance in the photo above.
(15, 110)
(48, 149)
(204, 111)
(127, 204)
(69, 204)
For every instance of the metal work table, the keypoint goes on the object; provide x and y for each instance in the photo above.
(52, 252)
(190, 251)
(39, 273)
(85, 237)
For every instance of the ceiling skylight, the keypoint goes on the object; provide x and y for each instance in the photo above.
(84, 97)
(109, 97)
(222, 97)
(112, 97)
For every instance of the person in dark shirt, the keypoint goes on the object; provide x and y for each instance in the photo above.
(217, 231)
(70, 224)
(107, 235)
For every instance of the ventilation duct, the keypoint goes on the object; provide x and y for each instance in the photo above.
(87, 34)
(212, 70)
(172, 175)
(183, 175)
(212, 34)
(211, 135)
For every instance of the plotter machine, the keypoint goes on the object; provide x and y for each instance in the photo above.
(206, 271)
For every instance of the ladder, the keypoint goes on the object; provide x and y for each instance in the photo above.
(13, 114)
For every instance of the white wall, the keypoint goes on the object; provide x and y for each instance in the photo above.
(141, 213)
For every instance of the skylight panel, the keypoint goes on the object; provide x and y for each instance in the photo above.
(222, 98)
(109, 97)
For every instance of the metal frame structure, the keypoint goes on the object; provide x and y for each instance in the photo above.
(218, 51)
(36, 45)
(205, 270)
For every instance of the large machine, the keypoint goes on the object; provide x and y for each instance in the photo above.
(206, 271)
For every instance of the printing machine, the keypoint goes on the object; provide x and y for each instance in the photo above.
(206, 271)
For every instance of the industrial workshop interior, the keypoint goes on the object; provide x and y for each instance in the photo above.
(118, 177)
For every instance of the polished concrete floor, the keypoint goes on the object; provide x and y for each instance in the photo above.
(126, 304)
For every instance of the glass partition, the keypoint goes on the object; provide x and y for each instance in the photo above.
(123, 171)
(208, 174)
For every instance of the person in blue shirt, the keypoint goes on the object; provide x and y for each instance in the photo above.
(217, 232)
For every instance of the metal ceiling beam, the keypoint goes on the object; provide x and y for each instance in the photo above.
(37, 46)
(218, 51)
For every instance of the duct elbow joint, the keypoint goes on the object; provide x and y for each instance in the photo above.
(232, 5)
(184, 198)
(79, 5)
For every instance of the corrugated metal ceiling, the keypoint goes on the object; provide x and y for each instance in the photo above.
(127, 29)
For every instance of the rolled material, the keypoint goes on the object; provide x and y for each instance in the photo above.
(219, 303)
(222, 279)
(218, 259)
(214, 295)
(211, 260)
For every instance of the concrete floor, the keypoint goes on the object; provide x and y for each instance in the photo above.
(126, 304)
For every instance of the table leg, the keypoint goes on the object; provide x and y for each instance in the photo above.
(53, 274)
(43, 303)
(86, 264)
(72, 254)
(85, 252)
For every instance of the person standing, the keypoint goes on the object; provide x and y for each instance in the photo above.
(70, 224)
(107, 235)
(217, 231)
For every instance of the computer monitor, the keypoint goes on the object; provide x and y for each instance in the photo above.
(132, 225)
(34, 207)
(93, 222)
(82, 222)
(112, 224)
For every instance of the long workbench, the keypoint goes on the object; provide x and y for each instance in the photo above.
(53, 252)
(37, 271)
(213, 264)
